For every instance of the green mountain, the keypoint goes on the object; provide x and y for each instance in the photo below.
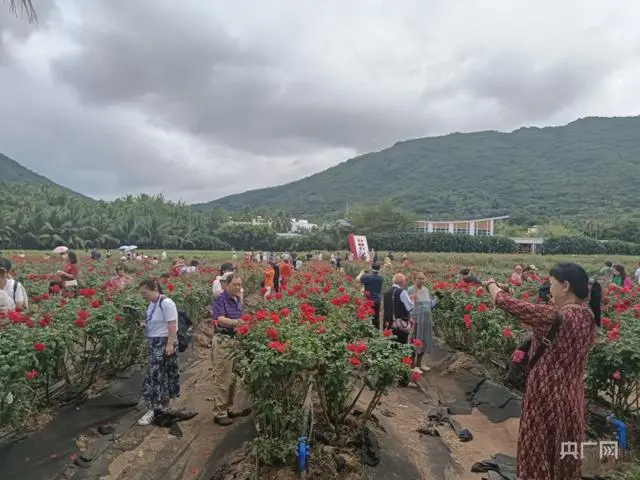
(12, 172)
(589, 168)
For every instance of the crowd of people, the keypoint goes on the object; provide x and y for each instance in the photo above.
(562, 324)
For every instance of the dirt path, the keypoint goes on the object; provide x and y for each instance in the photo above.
(149, 453)
(444, 457)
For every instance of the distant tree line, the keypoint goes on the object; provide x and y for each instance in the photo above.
(43, 217)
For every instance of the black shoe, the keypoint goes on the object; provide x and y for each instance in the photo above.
(243, 413)
(223, 421)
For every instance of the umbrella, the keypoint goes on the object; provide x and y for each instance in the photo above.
(124, 247)
(131, 247)
(61, 249)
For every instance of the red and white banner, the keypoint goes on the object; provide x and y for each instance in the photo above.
(359, 246)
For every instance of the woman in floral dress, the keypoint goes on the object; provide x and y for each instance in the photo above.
(553, 408)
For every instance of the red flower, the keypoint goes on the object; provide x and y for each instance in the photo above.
(507, 333)
(32, 374)
(40, 346)
(278, 346)
(80, 322)
(479, 292)
(616, 375)
(467, 321)
(242, 329)
(357, 348)
(272, 333)
(415, 376)
(482, 307)
(355, 361)
(417, 343)
(117, 318)
(284, 312)
(518, 356)
(468, 307)
(387, 332)
(407, 361)
(321, 329)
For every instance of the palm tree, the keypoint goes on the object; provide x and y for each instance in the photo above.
(24, 7)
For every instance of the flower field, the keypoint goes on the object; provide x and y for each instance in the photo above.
(312, 340)
(62, 345)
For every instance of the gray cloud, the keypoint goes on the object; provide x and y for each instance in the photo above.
(200, 100)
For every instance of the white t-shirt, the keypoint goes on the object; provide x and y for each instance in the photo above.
(21, 294)
(217, 286)
(637, 275)
(6, 302)
(159, 316)
(190, 269)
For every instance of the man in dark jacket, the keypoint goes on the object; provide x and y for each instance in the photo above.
(372, 282)
(397, 305)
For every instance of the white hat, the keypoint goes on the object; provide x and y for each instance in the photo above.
(226, 276)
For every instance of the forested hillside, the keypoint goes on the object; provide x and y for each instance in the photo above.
(589, 168)
(13, 172)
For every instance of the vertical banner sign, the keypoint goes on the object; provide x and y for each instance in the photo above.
(359, 246)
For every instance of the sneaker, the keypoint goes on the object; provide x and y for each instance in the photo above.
(147, 418)
(223, 421)
(416, 370)
(424, 368)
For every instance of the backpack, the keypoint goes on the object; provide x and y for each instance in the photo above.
(16, 285)
(184, 328)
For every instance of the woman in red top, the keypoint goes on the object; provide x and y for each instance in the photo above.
(70, 271)
(553, 408)
(68, 276)
(516, 276)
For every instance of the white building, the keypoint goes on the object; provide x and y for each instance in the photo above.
(479, 227)
(301, 226)
(254, 221)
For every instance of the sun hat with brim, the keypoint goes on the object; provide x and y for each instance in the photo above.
(226, 277)
(5, 264)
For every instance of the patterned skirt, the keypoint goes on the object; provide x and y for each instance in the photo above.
(162, 381)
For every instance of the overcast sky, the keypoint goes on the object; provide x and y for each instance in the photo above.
(199, 99)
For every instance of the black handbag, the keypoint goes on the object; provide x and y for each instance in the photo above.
(518, 372)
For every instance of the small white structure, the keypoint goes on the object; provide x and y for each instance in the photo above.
(301, 226)
(479, 227)
(529, 244)
(254, 221)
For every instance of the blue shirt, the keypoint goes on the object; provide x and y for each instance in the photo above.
(226, 305)
(373, 284)
(404, 298)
